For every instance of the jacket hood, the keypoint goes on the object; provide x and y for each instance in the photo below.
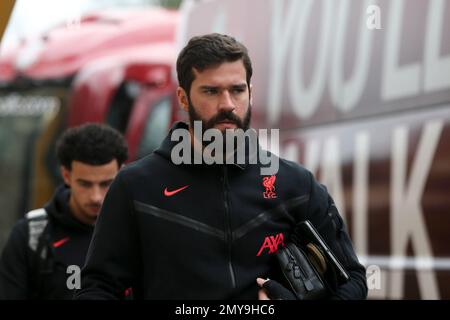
(58, 209)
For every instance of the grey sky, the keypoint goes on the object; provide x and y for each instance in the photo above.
(31, 17)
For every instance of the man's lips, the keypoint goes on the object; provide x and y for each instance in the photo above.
(226, 125)
(95, 207)
(227, 122)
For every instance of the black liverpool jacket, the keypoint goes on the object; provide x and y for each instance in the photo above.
(205, 231)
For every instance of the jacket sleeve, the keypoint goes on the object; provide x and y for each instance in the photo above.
(323, 214)
(14, 278)
(113, 256)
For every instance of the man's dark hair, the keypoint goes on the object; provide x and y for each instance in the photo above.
(207, 51)
(93, 144)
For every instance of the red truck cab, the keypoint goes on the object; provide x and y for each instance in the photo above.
(37, 85)
(132, 91)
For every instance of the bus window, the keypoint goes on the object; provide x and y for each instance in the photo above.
(122, 103)
(24, 121)
(155, 127)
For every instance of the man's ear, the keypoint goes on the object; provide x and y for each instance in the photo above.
(65, 173)
(250, 92)
(182, 99)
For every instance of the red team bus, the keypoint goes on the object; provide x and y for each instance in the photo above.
(360, 91)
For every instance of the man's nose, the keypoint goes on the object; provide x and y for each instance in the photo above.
(97, 194)
(226, 102)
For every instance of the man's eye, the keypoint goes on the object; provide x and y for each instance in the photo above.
(105, 184)
(84, 184)
(238, 90)
(210, 91)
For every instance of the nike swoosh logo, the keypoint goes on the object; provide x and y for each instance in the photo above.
(59, 243)
(168, 193)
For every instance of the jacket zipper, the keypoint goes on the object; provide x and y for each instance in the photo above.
(299, 272)
(228, 233)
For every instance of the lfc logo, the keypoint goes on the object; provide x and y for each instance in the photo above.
(268, 183)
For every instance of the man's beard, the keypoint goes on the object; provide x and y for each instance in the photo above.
(219, 117)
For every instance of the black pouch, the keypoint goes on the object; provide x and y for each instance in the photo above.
(308, 266)
(300, 272)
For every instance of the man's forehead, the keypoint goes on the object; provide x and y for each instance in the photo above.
(95, 172)
(227, 73)
(95, 178)
(236, 67)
